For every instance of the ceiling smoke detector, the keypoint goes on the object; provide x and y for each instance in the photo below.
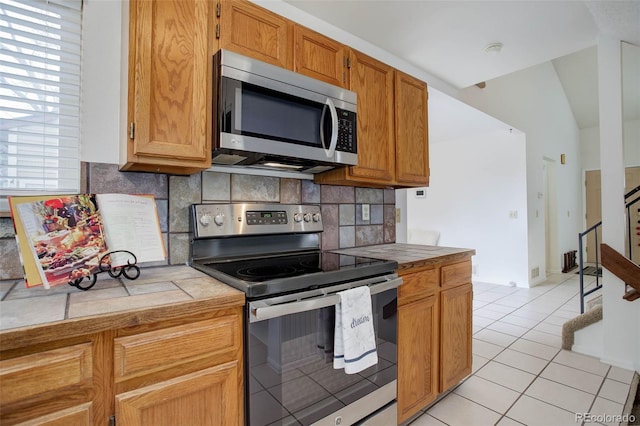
(493, 48)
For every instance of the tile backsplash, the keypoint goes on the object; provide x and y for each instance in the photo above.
(341, 206)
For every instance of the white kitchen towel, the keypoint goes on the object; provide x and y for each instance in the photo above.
(354, 347)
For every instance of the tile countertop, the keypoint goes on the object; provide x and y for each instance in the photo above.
(159, 293)
(411, 256)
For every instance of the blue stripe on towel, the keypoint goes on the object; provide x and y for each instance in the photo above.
(360, 357)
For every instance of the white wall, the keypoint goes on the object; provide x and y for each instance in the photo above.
(620, 343)
(475, 183)
(101, 83)
(533, 100)
(590, 145)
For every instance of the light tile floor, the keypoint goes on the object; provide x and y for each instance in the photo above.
(520, 373)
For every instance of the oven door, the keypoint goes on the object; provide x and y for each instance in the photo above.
(289, 359)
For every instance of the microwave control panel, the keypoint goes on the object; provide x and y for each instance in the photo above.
(346, 131)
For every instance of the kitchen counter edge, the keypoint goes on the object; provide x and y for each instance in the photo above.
(411, 257)
(202, 294)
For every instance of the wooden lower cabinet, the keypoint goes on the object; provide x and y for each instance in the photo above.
(54, 385)
(418, 359)
(80, 415)
(202, 398)
(434, 333)
(188, 370)
(185, 373)
(456, 305)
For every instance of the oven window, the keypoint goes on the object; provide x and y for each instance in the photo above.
(290, 374)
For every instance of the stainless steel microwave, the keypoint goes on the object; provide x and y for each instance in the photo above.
(269, 117)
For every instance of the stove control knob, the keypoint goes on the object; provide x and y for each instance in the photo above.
(307, 217)
(219, 219)
(297, 217)
(316, 217)
(205, 219)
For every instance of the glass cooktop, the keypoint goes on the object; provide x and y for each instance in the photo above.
(270, 275)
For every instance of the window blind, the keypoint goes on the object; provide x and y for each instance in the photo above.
(40, 63)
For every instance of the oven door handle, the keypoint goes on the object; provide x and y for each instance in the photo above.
(262, 310)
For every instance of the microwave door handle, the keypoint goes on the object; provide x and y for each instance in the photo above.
(334, 128)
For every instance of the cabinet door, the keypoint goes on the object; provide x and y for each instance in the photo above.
(256, 32)
(52, 381)
(412, 142)
(80, 415)
(319, 57)
(417, 355)
(171, 45)
(373, 83)
(455, 331)
(207, 397)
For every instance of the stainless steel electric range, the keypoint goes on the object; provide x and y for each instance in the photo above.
(272, 253)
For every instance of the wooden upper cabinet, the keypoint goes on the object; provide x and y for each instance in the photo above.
(393, 139)
(320, 57)
(372, 81)
(253, 31)
(412, 143)
(170, 50)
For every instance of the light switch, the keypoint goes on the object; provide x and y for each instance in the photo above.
(365, 212)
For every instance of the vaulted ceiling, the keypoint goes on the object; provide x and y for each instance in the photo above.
(448, 39)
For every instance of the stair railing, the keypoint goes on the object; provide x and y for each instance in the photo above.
(630, 215)
(598, 286)
(594, 229)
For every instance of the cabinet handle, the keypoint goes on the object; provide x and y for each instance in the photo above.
(217, 30)
(218, 9)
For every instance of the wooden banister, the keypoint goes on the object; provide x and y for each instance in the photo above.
(623, 268)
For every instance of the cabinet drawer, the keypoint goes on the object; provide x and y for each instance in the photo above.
(40, 373)
(80, 415)
(154, 351)
(456, 274)
(417, 285)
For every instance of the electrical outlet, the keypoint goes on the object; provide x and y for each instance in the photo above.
(398, 215)
(365, 212)
(513, 214)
